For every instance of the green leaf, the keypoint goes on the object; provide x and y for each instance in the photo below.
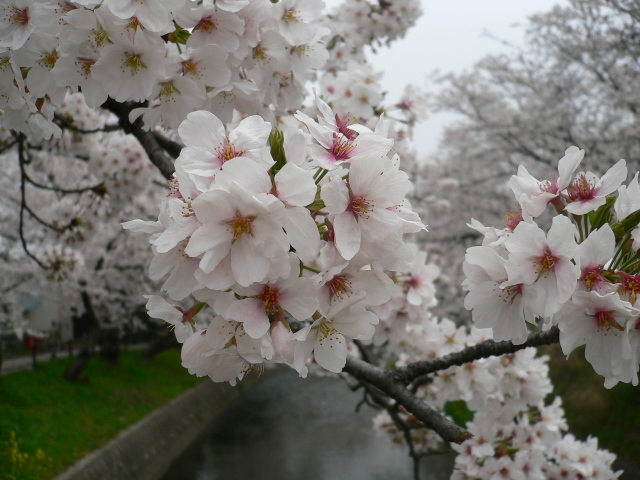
(179, 35)
(459, 412)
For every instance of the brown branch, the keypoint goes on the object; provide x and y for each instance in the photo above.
(171, 147)
(7, 146)
(385, 381)
(65, 191)
(149, 141)
(68, 124)
(23, 202)
(488, 348)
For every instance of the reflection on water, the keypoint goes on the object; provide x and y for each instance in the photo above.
(288, 428)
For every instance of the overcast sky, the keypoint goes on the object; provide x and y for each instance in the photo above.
(451, 36)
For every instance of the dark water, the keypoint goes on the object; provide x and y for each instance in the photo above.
(288, 428)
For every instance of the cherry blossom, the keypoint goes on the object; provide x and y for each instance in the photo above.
(325, 337)
(496, 302)
(588, 192)
(551, 260)
(361, 207)
(534, 195)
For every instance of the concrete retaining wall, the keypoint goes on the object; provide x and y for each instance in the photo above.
(145, 450)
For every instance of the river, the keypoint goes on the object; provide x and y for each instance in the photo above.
(287, 428)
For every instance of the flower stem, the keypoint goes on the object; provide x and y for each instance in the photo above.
(309, 268)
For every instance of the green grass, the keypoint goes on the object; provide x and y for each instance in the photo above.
(611, 415)
(55, 423)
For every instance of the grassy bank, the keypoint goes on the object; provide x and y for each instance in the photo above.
(611, 415)
(46, 423)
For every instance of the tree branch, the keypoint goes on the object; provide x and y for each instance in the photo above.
(65, 191)
(149, 140)
(23, 202)
(64, 122)
(171, 147)
(488, 348)
(385, 381)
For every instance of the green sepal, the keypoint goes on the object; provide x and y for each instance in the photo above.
(276, 142)
(602, 215)
(621, 229)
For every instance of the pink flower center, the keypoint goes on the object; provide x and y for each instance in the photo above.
(100, 37)
(343, 124)
(240, 225)
(580, 189)
(341, 147)
(259, 53)
(167, 89)
(545, 262)
(592, 278)
(190, 68)
(174, 188)
(549, 186)
(207, 24)
(512, 218)
(510, 293)
(360, 206)
(327, 331)
(133, 62)
(227, 151)
(187, 209)
(631, 287)
(48, 60)
(18, 16)
(133, 24)
(270, 299)
(606, 321)
(182, 246)
(291, 15)
(339, 286)
(85, 65)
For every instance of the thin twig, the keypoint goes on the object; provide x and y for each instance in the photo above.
(65, 191)
(8, 146)
(23, 203)
(66, 123)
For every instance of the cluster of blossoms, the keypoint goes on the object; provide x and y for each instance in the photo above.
(122, 167)
(63, 262)
(502, 399)
(223, 56)
(270, 228)
(582, 275)
(179, 55)
(248, 55)
(291, 240)
(358, 23)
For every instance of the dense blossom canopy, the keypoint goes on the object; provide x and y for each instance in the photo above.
(286, 233)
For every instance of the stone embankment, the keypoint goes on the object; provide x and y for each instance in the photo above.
(147, 449)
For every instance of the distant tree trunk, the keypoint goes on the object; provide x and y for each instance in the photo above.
(165, 340)
(34, 353)
(73, 373)
(109, 342)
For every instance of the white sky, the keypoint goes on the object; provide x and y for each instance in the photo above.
(451, 36)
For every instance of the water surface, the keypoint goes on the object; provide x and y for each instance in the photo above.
(287, 428)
